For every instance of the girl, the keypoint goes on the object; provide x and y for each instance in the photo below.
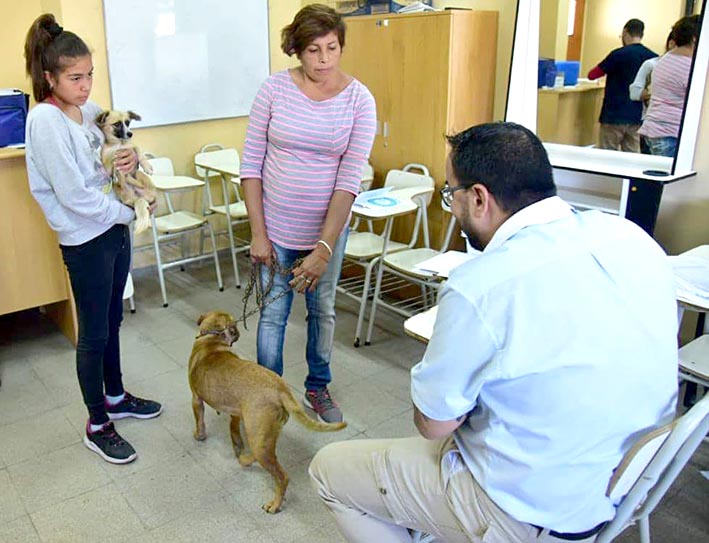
(74, 191)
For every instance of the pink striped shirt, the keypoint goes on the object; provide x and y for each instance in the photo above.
(670, 78)
(303, 151)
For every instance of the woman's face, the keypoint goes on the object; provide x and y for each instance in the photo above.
(321, 57)
(73, 85)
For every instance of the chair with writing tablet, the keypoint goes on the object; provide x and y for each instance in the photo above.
(365, 249)
(228, 161)
(176, 225)
(404, 265)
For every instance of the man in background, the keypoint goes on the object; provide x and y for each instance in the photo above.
(621, 117)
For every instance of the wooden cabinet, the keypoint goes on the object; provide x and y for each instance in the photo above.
(32, 272)
(431, 74)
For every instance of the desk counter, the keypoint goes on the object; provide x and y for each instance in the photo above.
(33, 272)
(570, 114)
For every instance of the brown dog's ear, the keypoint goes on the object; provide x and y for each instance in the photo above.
(101, 117)
(200, 319)
(133, 116)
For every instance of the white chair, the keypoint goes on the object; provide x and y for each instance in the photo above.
(176, 225)
(694, 363)
(236, 212)
(364, 249)
(128, 292)
(650, 467)
(403, 264)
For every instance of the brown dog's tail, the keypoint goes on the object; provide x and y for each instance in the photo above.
(299, 414)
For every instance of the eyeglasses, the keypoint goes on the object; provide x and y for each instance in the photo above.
(447, 192)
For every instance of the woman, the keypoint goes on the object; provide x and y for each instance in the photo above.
(74, 191)
(310, 131)
(670, 79)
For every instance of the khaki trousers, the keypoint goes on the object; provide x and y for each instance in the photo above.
(379, 489)
(619, 137)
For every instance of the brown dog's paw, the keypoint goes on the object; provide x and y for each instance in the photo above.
(272, 507)
(246, 459)
(200, 436)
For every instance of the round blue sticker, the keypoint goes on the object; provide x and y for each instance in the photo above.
(383, 201)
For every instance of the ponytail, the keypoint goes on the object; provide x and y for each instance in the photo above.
(47, 48)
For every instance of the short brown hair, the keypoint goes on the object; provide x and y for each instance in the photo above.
(310, 23)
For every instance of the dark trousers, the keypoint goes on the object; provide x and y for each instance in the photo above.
(98, 270)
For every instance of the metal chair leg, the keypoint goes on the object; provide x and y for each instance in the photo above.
(161, 275)
(216, 257)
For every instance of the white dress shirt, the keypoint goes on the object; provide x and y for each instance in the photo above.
(560, 342)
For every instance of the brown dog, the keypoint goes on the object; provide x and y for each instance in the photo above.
(115, 126)
(247, 392)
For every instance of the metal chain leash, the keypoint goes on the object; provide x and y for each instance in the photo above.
(256, 286)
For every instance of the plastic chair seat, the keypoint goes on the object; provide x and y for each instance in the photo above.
(406, 261)
(179, 221)
(237, 210)
(694, 358)
(366, 245)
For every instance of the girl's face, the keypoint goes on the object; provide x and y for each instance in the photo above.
(321, 57)
(73, 85)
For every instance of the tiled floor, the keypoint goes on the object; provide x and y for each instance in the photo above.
(52, 489)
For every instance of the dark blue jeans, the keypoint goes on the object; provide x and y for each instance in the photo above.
(98, 270)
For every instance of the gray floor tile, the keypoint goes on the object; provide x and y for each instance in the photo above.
(20, 530)
(99, 515)
(10, 504)
(36, 436)
(168, 491)
(58, 476)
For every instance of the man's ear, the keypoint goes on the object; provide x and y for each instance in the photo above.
(480, 199)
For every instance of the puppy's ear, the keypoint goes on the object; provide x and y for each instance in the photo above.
(133, 116)
(101, 117)
(200, 319)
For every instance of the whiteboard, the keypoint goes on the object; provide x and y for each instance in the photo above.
(176, 61)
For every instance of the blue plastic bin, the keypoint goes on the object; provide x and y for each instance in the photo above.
(546, 73)
(570, 69)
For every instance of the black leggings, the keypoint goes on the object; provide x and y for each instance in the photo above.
(98, 270)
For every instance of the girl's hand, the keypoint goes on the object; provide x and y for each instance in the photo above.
(308, 274)
(126, 160)
(261, 251)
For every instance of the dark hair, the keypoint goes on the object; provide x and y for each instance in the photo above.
(686, 30)
(670, 38)
(310, 23)
(635, 28)
(508, 159)
(47, 48)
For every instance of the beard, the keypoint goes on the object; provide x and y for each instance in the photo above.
(472, 236)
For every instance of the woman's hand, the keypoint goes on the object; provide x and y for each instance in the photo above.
(261, 250)
(126, 160)
(308, 274)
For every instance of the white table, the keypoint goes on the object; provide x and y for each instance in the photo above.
(421, 326)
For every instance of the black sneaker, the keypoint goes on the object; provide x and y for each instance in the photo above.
(130, 406)
(109, 445)
(324, 406)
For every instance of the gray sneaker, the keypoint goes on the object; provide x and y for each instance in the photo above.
(324, 406)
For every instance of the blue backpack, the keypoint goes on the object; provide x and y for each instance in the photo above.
(13, 116)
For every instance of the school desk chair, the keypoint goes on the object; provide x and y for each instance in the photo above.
(213, 160)
(410, 192)
(176, 225)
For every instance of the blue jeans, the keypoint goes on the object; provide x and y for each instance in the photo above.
(320, 305)
(98, 270)
(665, 146)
